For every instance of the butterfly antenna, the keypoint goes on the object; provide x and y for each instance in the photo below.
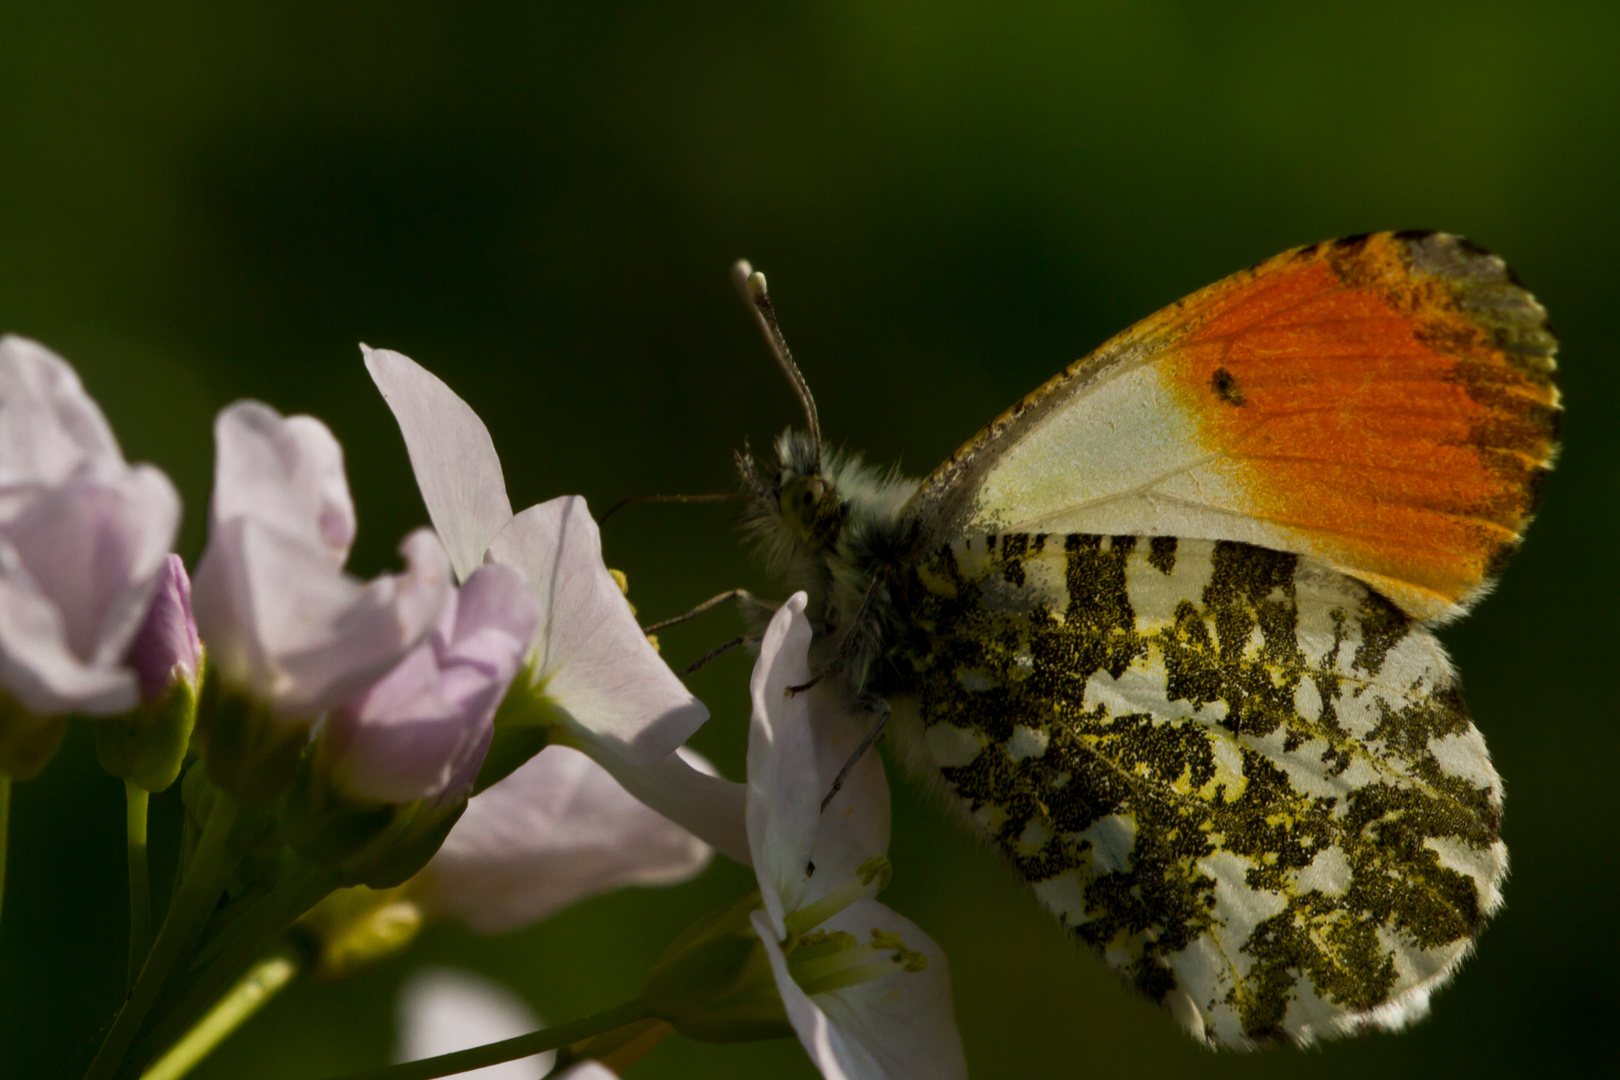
(751, 284)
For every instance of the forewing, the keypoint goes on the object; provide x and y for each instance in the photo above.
(1384, 404)
(1246, 780)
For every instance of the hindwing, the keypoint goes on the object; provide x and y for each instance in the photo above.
(1245, 779)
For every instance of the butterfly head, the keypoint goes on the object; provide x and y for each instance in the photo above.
(791, 499)
(814, 507)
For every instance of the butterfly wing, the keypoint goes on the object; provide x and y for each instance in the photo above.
(1384, 404)
(1245, 779)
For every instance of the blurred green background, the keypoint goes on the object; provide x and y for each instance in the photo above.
(540, 202)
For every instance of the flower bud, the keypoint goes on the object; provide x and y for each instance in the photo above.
(354, 928)
(714, 983)
(147, 746)
(289, 633)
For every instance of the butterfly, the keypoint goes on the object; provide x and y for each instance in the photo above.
(1162, 631)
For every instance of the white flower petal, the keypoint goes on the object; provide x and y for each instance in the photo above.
(442, 1010)
(904, 1021)
(557, 830)
(286, 474)
(587, 1070)
(49, 427)
(452, 455)
(591, 655)
(855, 825)
(836, 1055)
(685, 789)
(784, 791)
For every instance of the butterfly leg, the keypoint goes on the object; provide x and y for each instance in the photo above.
(881, 708)
(847, 645)
(743, 597)
(715, 653)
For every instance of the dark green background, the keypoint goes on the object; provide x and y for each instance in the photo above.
(540, 202)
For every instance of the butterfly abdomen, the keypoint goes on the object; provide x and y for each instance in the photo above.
(1245, 779)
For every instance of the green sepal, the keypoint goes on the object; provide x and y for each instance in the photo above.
(367, 842)
(148, 746)
(523, 723)
(714, 982)
(250, 753)
(408, 848)
(27, 742)
(322, 824)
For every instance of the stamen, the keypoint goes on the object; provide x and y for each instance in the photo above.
(823, 962)
(909, 959)
(871, 878)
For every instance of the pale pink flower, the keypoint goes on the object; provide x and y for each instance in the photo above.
(283, 623)
(613, 697)
(83, 540)
(421, 731)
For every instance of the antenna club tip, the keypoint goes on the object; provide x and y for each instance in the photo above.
(756, 286)
(741, 269)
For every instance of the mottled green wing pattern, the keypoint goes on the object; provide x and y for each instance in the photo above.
(1246, 780)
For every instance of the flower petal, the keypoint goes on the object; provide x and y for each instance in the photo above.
(422, 730)
(685, 789)
(400, 740)
(286, 474)
(95, 545)
(556, 831)
(591, 655)
(442, 1010)
(372, 633)
(587, 1070)
(904, 1021)
(81, 561)
(36, 664)
(784, 790)
(300, 635)
(837, 1056)
(454, 459)
(855, 825)
(49, 427)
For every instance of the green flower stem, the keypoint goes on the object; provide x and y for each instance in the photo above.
(536, 1042)
(140, 888)
(263, 981)
(193, 903)
(617, 1049)
(5, 831)
(299, 885)
(299, 888)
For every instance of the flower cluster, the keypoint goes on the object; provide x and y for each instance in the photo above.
(486, 735)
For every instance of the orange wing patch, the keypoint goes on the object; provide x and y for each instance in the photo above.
(1392, 395)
